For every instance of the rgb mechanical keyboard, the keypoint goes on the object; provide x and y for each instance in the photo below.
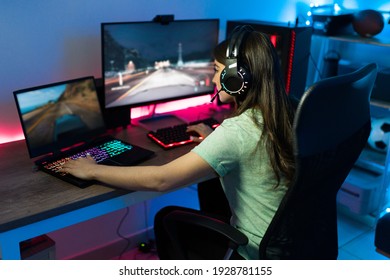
(175, 136)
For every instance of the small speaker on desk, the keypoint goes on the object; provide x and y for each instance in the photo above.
(113, 117)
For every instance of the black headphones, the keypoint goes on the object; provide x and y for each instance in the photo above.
(235, 77)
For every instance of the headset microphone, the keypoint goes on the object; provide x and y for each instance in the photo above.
(215, 95)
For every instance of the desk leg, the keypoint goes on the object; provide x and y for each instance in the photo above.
(9, 249)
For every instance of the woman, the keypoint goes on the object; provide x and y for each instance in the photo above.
(251, 152)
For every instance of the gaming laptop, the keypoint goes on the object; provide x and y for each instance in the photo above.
(64, 121)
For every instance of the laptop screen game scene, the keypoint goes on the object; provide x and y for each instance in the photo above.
(59, 115)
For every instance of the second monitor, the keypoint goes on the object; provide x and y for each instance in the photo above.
(147, 62)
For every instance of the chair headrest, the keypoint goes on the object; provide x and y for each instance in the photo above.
(333, 109)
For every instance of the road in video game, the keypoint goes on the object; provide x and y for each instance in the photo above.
(157, 70)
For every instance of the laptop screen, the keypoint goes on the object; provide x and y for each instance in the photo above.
(59, 115)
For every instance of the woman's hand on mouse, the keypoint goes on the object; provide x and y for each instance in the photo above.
(202, 130)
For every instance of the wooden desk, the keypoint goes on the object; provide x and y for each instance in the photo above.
(34, 203)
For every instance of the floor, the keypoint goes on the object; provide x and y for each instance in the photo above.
(356, 241)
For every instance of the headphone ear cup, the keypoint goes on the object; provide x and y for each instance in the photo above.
(235, 81)
(235, 77)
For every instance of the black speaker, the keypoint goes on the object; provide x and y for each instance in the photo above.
(113, 117)
(331, 64)
(235, 77)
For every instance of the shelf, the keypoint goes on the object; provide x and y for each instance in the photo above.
(371, 160)
(376, 40)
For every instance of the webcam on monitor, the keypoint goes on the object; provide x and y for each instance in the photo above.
(164, 19)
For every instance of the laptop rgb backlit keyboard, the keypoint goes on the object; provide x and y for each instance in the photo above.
(98, 153)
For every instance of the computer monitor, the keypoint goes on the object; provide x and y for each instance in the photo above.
(150, 62)
(292, 44)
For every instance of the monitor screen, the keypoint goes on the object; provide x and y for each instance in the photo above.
(59, 115)
(149, 62)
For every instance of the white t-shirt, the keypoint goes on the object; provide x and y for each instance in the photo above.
(247, 178)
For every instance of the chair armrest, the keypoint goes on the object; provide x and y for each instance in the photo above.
(236, 237)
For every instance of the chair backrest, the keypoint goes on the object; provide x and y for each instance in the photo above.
(331, 128)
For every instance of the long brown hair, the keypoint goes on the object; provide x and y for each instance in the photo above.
(267, 94)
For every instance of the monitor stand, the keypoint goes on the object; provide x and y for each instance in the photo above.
(159, 121)
(154, 121)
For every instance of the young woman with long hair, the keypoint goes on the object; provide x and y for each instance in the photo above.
(251, 152)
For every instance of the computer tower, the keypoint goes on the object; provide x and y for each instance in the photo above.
(292, 44)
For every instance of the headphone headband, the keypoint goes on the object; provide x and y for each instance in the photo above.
(236, 39)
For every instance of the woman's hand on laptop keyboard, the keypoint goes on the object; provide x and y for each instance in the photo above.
(81, 167)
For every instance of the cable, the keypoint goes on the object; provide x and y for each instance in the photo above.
(128, 242)
(147, 247)
(146, 219)
(315, 65)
